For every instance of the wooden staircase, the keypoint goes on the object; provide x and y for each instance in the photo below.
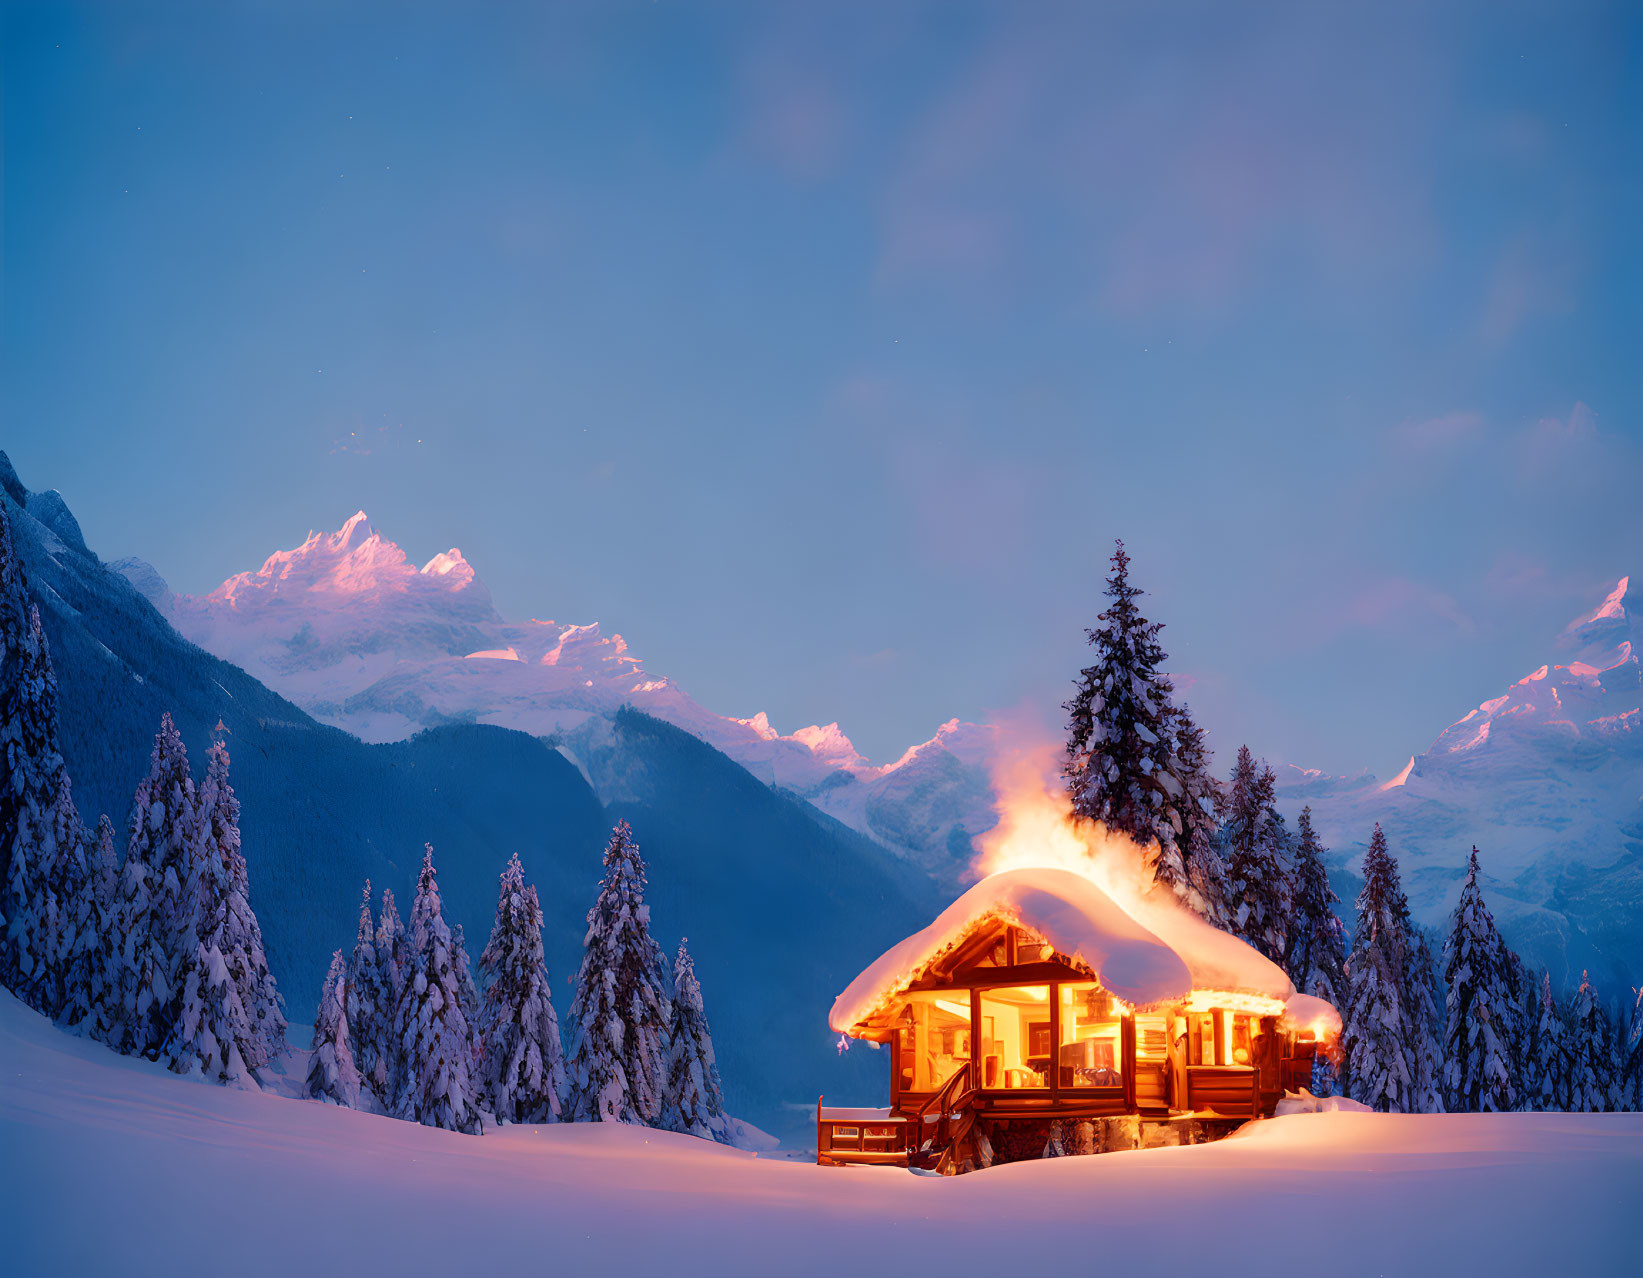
(941, 1136)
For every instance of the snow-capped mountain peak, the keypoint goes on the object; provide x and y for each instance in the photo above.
(353, 561)
(1603, 638)
(1544, 779)
(1596, 690)
(348, 627)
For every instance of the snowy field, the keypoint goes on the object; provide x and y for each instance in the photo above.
(113, 1166)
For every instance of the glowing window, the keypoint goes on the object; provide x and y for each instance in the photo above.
(1016, 1052)
(1091, 1051)
(934, 1038)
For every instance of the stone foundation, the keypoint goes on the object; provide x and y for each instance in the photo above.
(1016, 1140)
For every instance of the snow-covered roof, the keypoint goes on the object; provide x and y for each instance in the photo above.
(1174, 954)
(1217, 960)
(1307, 1011)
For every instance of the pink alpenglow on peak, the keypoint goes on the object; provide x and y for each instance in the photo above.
(346, 626)
(1614, 606)
(760, 725)
(354, 560)
(449, 564)
(1544, 779)
(494, 654)
(830, 744)
(1403, 777)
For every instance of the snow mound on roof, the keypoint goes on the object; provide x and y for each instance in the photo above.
(1070, 912)
(1217, 960)
(1308, 1011)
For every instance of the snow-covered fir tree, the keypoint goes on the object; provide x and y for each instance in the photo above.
(393, 968)
(466, 990)
(1201, 804)
(218, 837)
(1632, 1055)
(209, 1031)
(33, 812)
(369, 1008)
(1316, 961)
(694, 1100)
(162, 843)
(522, 1066)
(1122, 767)
(173, 828)
(1477, 1047)
(1423, 1036)
(1591, 1052)
(21, 767)
(141, 962)
(435, 1086)
(93, 978)
(1375, 1019)
(64, 862)
(1547, 1075)
(616, 1066)
(331, 1072)
(1255, 850)
(1520, 1014)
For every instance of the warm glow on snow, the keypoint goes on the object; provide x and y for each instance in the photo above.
(1036, 830)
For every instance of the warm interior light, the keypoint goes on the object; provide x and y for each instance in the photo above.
(1218, 1000)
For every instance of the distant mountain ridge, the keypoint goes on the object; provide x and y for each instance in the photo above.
(347, 627)
(782, 904)
(1547, 780)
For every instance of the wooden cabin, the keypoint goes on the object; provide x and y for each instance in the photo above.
(1036, 1008)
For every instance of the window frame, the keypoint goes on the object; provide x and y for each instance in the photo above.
(1053, 1092)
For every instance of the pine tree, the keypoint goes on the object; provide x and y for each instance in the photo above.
(1423, 1036)
(1591, 1055)
(173, 821)
(1201, 806)
(1375, 1019)
(331, 1073)
(218, 837)
(1632, 1061)
(64, 862)
(1316, 961)
(467, 991)
(435, 1086)
(140, 967)
(368, 1008)
(22, 768)
(1123, 768)
(93, 975)
(694, 1100)
(1256, 855)
(153, 920)
(393, 968)
(522, 1068)
(210, 1031)
(1478, 1073)
(619, 1016)
(33, 812)
(1547, 1084)
(163, 844)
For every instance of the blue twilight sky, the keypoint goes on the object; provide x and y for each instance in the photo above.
(823, 349)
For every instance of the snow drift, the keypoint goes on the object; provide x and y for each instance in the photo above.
(265, 1185)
